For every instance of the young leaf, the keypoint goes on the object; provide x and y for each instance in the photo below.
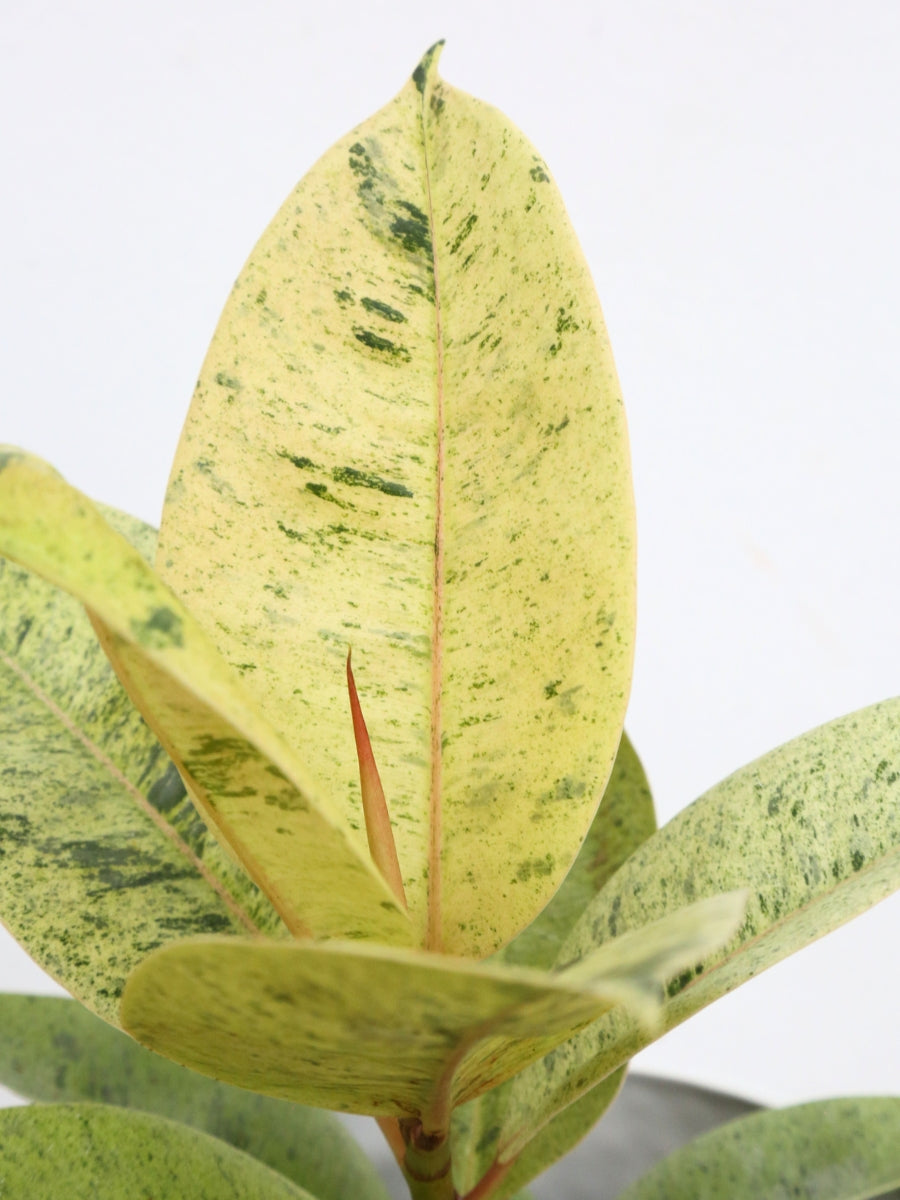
(812, 829)
(828, 1150)
(103, 856)
(248, 783)
(53, 1050)
(384, 1030)
(93, 1152)
(408, 434)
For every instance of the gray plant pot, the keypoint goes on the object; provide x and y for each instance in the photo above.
(650, 1118)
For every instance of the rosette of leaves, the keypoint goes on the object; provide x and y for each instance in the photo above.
(399, 899)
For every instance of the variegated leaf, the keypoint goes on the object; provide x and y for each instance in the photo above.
(390, 1031)
(828, 1150)
(248, 782)
(96, 1152)
(103, 858)
(408, 437)
(812, 829)
(53, 1050)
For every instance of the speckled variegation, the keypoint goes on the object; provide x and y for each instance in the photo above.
(623, 822)
(248, 783)
(392, 1031)
(52, 1050)
(102, 856)
(845, 1149)
(812, 829)
(97, 1152)
(408, 437)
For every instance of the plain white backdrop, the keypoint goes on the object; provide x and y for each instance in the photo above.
(734, 175)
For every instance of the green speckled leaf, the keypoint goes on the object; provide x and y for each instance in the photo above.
(92, 1152)
(102, 855)
(408, 436)
(385, 1030)
(829, 1150)
(812, 829)
(477, 1127)
(248, 783)
(624, 820)
(53, 1050)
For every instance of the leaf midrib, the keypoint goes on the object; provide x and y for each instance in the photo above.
(433, 932)
(137, 796)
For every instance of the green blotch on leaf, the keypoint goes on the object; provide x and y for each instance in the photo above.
(354, 478)
(163, 628)
(382, 309)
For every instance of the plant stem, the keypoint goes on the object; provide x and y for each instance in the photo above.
(426, 1164)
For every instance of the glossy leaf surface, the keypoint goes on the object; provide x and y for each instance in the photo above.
(811, 829)
(103, 858)
(390, 1031)
(408, 436)
(829, 1150)
(94, 1152)
(53, 1050)
(248, 783)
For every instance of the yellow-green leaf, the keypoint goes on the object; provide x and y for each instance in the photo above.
(103, 858)
(624, 820)
(827, 1150)
(408, 436)
(812, 830)
(96, 1152)
(248, 782)
(53, 1050)
(385, 1030)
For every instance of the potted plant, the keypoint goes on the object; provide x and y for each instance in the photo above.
(382, 883)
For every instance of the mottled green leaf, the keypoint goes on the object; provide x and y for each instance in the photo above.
(53, 1050)
(389, 1031)
(811, 829)
(829, 1150)
(477, 1127)
(624, 820)
(93, 1152)
(248, 782)
(408, 436)
(102, 855)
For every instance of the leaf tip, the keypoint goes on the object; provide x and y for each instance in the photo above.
(426, 71)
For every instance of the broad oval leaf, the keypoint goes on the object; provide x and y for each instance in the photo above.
(390, 1031)
(249, 784)
(103, 858)
(812, 829)
(827, 1150)
(408, 436)
(94, 1152)
(53, 1050)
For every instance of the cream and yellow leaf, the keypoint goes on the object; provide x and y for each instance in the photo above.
(390, 1031)
(408, 437)
(249, 784)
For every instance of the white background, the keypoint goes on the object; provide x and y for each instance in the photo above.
(734, 175)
